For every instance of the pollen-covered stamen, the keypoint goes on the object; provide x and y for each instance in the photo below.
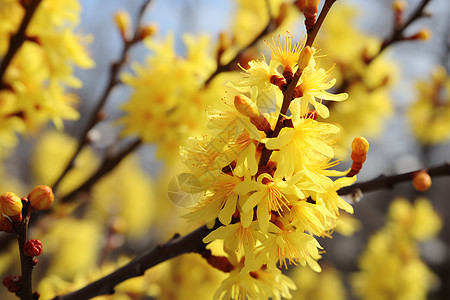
(286, 55)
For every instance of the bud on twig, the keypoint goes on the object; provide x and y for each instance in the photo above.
(360, 147)
(5, 224)
(33, 248)
(122, 19)
(147, 31)
(13, 283)
(11, 206)
(41, 197)
(309, 8)
(421, 181)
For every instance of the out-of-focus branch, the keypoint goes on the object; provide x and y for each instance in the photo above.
(191, 242)
(112, 82)
(397, 34)
(17, 39)
(107, 165)
(222, 68)
(388, 182)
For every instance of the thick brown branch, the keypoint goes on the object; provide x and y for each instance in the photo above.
(112, 82)
(191, 242)
(26, 292)
(388, 182)
(17, 39)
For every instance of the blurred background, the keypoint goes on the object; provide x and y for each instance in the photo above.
(394, 147)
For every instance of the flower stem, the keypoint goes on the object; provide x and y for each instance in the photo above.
(17, 39)
(26, 292)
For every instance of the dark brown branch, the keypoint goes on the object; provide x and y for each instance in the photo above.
(289, 90)
(108, 165)
(388, 182)
(192, 242)
(397, 34)
(112, 82)
(26, 292)
(17, 39)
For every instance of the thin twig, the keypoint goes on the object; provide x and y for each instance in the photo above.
(17, 39)
(108, 165)
(190, 243)
(287, 93)
(112, 82)
(397, 34)
(388, 182)
(221, 68)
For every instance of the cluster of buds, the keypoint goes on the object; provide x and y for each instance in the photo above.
(11, 205)
(123, 23)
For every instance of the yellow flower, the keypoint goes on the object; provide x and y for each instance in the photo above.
(308, 142)
(286, 55)
(220, 202)
(313, 83)
(266, 197)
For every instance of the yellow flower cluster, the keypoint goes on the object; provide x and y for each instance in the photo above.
(430, 114)
(391, 267)
(168, 98)
(269, 213)
(368, 83)
(33, 87)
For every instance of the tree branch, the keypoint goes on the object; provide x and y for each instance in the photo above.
(17, 39)
(388, 182)
(192, 242)
(112, 82)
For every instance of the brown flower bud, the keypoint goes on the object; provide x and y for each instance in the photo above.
(421, 181)
(11, 206)
(41, 197)
(33, 248)
(13, 283)
(148, 30)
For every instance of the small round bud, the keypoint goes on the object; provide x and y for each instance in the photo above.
(11, 206)
(360, 146)
(122, 19)
(41, 197)
(421, 181)
(33, 248)
(148, 30)
(13, 283)
(424, 34)
(5, 224)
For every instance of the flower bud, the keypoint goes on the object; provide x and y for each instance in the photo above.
(421, 181)
(13, 283)
(33, 248)
(424, 34)
(245, 106)
(304, 58)
(5, 224)
(122, 19)
(360, 146)
(41, 197)
(309, 9)
(148, 30)
(11, 206)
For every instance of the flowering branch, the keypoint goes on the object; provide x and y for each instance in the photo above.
(190, 243)
(387, 182)
(112, 82)
(17, 39)
(289, 89)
